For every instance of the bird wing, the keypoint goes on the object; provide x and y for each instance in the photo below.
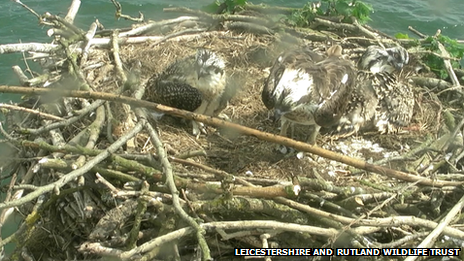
(289, 59)
(361, 107)
(380, 101)
(334, 80)
(174, 93)
(396, 102)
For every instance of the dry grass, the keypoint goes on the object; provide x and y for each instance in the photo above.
(248, 59)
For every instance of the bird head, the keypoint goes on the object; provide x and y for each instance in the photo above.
(377, 59)
(208, 64)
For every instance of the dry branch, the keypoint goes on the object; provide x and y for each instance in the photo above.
(301, 146)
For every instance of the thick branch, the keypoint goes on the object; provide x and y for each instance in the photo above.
(240, 129)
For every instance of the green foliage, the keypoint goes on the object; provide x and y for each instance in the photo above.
(402, 36)
(226, 6)
(346, 9)
(303, 16)
(455, 50)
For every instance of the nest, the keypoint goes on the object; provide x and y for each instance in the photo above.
(98, 179)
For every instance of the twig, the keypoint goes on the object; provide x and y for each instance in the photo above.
(301, 146)
(88, 37)
(38, 113)
(162, 156)
(72, 12)
(104, 42)
(76, 173)
(117, 59)
(76, 30)
(344, 26)
(93, 132)
(62, 123)
(448, 65)
(175, 235)
(20, 74)
(105, 182)
(119, 13)
(404, 240)
(28, 8)
(5, 134)
(211, 170)
(433, 236)
(28, 47)
(382, 222)
(181, 33)
(153, 25)
(421, 35)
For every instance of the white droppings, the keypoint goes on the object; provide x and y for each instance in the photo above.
(249, 173)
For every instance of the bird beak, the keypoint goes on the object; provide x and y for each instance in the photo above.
(201, 73)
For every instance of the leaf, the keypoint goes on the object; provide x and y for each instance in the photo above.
(402, 36)
(211, 8)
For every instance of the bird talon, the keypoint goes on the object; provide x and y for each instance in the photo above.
(198, 129)
(223, 116)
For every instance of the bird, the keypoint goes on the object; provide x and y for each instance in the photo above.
(383, 98)
(196, 83)
(308, 88)
(379, 59)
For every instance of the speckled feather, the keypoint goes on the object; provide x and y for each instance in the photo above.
(175, 94)
(378, 59)
(174, 86)
(195, 83)
(383, 100)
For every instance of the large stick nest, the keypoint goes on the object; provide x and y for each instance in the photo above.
(99, 207)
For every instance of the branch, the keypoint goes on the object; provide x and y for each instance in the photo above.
(169, 176)
(76, 173)
(38, 113)
(72, 12)
(28, 47)
(301, 146)
(429, 241)
(153, 25)
(374, 222)
(28, 8)
(119, 13)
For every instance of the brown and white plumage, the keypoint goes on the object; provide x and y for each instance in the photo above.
(382, 100)
(195, 83)
(378, 59)
(306, 88)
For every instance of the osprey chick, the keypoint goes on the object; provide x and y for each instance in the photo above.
(378, 59)
(306, 88)
(382, 99)
(195, 83)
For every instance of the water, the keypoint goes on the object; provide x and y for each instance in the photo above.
(391, 16)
